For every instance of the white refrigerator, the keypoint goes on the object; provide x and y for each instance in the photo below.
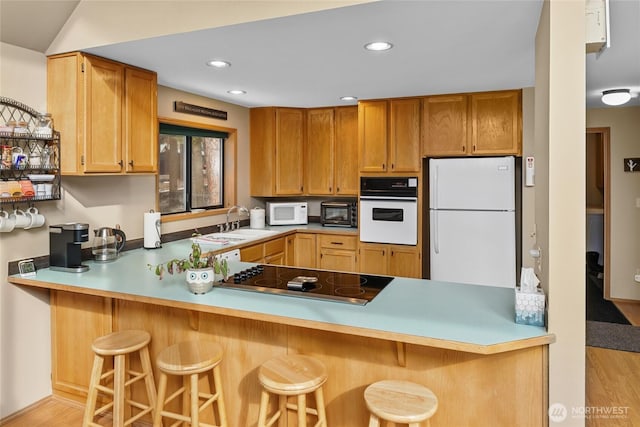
(472, 220)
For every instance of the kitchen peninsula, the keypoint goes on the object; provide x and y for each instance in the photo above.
(459, 340)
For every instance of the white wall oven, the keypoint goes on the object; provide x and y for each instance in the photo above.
(389, 210)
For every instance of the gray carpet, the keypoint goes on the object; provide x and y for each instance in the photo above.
(614, 336)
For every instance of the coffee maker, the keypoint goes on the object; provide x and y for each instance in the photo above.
(65, 246)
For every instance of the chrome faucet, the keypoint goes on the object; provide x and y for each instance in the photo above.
(235, 224)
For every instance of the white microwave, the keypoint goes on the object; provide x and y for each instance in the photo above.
(286, 213)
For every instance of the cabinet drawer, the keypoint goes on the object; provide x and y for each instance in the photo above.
(252, 253)
(337, 241)
(274, 246)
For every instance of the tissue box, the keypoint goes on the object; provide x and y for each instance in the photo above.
(530, 307)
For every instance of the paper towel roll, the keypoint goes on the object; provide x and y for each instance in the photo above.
(152, 230)
(256, 218)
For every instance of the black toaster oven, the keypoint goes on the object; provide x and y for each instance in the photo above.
(339, 213)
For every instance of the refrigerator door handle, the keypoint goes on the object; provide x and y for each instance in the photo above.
(435, 188)
(436, 243)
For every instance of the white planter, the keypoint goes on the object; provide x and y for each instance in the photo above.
(200, 280)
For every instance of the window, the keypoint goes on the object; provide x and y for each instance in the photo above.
(191, 169)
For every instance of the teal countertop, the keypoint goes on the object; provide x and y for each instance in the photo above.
(477, 319)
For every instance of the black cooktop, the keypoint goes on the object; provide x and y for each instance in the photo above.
(353, 288)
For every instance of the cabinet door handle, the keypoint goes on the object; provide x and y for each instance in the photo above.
(383, 166)
(338, 189)
(131, 163)
(121, 163)
(383, 252)
(393, 166)
(464, 149)
(337, 243)
(329, 189)
(474, 148)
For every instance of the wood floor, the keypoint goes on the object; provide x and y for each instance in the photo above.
(612, 382)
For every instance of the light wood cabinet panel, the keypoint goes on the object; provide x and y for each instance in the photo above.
(253, 253)
(389, 134)
(338, 260)
(106, 112)
(373, 258)
(405, 261)
(476, 124)
(140, 127)
(289, 151)
(346, 151)
(305, 250)
(290, 250)
(372, 135)
(444, 122)
(496, 123)
(275, 259)
(70, 375)
(320, 145)
(337, 252)
(392, 260)
(103, 102)
(276, 156)
(404, 135)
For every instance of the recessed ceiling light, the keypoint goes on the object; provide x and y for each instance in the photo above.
(236, 92)
(349, 98)
(378, 46)
(218, 63)
(616, 96)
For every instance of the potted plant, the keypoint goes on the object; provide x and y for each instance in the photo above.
(201, 271)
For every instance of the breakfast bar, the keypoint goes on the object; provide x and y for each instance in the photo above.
(461, 341)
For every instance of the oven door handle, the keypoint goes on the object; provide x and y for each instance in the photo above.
(388, 199)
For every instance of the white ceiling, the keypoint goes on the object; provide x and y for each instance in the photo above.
(313, 59)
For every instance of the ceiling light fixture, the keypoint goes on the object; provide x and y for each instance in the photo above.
(218, 63)
(616, 96)
(349, 98)
(378, 46)
(236, 92)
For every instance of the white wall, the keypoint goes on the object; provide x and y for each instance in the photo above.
(25, 358)
(560, 195)
(624, 123)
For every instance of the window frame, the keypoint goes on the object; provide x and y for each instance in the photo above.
(230, 155)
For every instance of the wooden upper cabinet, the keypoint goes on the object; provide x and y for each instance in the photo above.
(444, 123)
(289, 151)
(389, 133)
(104, 82)
(346, 151)
(106, 113)
(496, 122)
(484, 123)
(372, 135)
(404, 135)
(331, 151)
(320, 147)
(140, 127)
(277, 147)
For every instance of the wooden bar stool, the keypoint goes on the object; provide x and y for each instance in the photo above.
(400, 402)
(120, 345)
(189, 360)
(292, 375)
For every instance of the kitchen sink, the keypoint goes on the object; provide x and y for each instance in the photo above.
(251, 232)
(235, 236)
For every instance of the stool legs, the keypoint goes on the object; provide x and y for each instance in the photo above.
(121, 400)
(191, 407)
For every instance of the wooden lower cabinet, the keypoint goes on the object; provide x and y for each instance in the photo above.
(337, 252)
(303, 250)
(393, 260)
(493, 387)
(270, 252)
(76, 321)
